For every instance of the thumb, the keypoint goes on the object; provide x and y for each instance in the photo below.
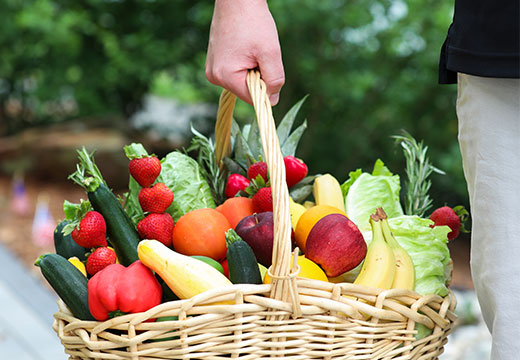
(271, 70)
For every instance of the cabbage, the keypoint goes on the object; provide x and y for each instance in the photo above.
(428, 248)
(182, 175)
(365, 192)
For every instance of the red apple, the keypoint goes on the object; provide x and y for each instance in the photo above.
(336, 244)
(257, 231)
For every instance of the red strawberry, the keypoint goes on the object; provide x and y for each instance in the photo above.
(235, 183)
(92, 231)
(100, 259)
(295, 170)
(446, 216)
(258, 168)
(155, 199)
(145, 170)
(157, 227)
(263, 200)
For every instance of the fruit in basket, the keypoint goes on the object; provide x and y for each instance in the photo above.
(336, 244)
(258, 168)
(236, 208)
(201, 232)
(92, 231)
(155, 199)
(158, 227)
(257, 231)
(145, 169)
(378, 269)
(243, 268)
(447, 216)
(296, 211)
(295, 170)
(118, 290)
(78, 264)
(184, 275)
(263, 200)
(210, 261)
(100, 259)
(327, 191)
(308, 219)
(308, 270)
(68, 282)
(404, 268)
(234, 184)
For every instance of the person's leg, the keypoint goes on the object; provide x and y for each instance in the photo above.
(489, 135)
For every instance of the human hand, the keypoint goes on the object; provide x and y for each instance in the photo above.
(243, 36)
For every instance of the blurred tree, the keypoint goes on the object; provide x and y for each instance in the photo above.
(370, 67)
(91, 57)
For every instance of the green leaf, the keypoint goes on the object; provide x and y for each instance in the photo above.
(291, 143)
(353, 175)
(284, 128)
(234, 167)
(182, 175)
(300, 193)
(241, 150)
(254, 141)
(135, 151)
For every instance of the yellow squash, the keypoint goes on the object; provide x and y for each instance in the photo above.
(184, 275)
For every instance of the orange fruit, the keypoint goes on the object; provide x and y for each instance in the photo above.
(201, 232)
(308, 270)
(308, 219)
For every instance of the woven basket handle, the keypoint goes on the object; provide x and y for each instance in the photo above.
(284, 285)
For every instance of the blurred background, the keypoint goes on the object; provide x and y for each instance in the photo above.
(105, 73)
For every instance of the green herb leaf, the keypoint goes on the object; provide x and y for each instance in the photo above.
(418, 169)
(291, 143)
(284, 128)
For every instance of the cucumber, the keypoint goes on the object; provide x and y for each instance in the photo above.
(243, 266)
(68, 282)
(65, 246)
(120, 228)
(210, 261)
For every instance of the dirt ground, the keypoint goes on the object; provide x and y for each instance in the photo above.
(16, 231)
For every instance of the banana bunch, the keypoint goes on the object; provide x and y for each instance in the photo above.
(387, 265)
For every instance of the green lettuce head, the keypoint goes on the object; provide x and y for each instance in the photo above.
(365, 192)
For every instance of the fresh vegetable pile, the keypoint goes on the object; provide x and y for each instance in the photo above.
(188, 225)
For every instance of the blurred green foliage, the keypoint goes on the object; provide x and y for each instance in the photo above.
(369, 66)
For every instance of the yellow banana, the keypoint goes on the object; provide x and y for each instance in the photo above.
(378, 269)
(404, 268)
(78, 264)
(296, 211)
(327, 191)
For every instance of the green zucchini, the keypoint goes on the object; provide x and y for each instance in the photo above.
(68, 282)
(210, 261)
(243, 266)
(64, 244)
(120, 228)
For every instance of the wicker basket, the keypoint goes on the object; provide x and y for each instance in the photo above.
(292, 318)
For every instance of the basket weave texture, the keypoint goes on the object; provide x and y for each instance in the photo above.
(292, 318)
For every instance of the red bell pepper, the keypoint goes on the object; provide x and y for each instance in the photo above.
(117, 290)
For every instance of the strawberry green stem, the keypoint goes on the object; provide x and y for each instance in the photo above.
(87, 174)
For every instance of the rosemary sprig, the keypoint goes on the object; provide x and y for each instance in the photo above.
(418, 169)
(207, 161)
